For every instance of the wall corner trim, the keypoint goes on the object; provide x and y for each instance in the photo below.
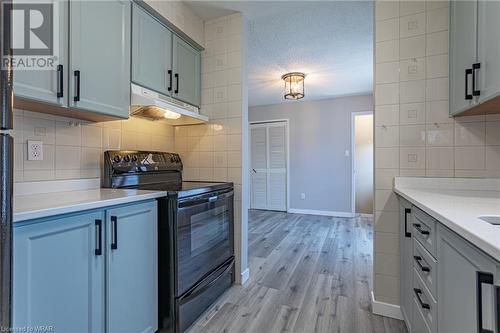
(320, 212)
(245, 275)
(386, 309)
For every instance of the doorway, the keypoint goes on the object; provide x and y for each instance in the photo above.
(362, 163)
(269, 165)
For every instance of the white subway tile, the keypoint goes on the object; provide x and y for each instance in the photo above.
(412, 114)
(470, 158)
(440, 158)
(440, 135)
(386, 30)
(412, 69)
(412, 91)
(412, 158)
(412, 25)
(412, 135)
(413, 47)
(387, 51)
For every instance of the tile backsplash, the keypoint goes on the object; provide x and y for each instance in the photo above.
(414, 135)
(73, 148)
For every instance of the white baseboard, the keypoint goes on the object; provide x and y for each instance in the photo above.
(386, 309)
(245, 275)
(320, 212)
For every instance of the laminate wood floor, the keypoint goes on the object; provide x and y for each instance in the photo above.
(307, 274)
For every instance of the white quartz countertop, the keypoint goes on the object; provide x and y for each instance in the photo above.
(459, 209)
(34, 206)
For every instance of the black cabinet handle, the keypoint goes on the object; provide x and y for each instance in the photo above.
(468, 72)
(407, 233)
(419, 229)
(176, 83)
(422, 267)
(418, 292)
(77, 86)
(98, 237)
(60, 81)
(114, 232)
(487, 278)
(169, 80)
(475, 67)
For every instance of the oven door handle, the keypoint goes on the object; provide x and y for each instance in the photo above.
(204, 199)
(201, 288)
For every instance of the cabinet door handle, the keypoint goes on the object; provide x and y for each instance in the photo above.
(114, 233)
(475, 67)
(468, 72)
(419, 229)
(422, 267)
(486, 278)
(169, 80)
(407, 212)
(418, 292)
(60, 81)
(176, 83)
(98, 237)
(77, 86)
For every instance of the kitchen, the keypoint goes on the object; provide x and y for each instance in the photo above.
(131, 169)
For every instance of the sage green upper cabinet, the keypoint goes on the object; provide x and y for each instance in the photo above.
(49, 86)
(463, 39)
(151, 52)
(489, 50)
(187, 72)
(474, 57)
(100, 56)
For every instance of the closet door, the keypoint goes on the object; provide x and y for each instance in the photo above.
(269, 166)
(276, 134)
(258, 166)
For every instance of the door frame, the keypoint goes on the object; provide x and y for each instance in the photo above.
(353, 160)
(287, 142)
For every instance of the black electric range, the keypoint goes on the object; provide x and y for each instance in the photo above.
(195, 232)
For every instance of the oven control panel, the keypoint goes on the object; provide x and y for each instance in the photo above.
(128, 161)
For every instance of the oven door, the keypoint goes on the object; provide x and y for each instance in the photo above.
(204, 237)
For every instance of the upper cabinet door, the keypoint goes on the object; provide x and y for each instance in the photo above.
(100, 56)
(489, 50)
(463, 45)
(187, 72)
(151, 52)
(58, 276)
(49, 86)
(132, 268)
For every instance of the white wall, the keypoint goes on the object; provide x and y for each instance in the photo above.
(320, 133)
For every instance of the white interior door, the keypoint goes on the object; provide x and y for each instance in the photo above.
(269, 166)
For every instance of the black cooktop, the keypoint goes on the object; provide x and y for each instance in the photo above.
(187, 189)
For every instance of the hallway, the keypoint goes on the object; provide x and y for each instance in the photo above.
(307, 274)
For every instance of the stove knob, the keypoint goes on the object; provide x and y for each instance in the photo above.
(172, 159)
(126, 159)
(134, 158)
(117, 159)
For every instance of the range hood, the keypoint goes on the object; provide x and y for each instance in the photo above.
(149, 104)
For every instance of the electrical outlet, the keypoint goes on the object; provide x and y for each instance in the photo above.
(35, 150)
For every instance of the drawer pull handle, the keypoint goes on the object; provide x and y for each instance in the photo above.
(114, 233)
(418, 292)
(407, 213)
(481, 278)
(422, 267)
(98, 238)
(419, 229)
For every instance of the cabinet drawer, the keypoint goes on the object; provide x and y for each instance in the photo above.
(424, 230)
(426, 267)
(425, 302)
(419, 325)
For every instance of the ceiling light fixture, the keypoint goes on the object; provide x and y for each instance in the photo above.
(294, 85)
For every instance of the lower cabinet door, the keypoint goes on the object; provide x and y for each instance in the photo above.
(463, 273)
(58, 275)
(132, 278)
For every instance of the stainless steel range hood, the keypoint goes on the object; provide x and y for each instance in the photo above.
(149, 104)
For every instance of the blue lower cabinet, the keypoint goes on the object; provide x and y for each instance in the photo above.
(89, 272)
(58, 280)
(132, 287)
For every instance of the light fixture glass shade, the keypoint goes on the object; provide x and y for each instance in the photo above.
(294, 85)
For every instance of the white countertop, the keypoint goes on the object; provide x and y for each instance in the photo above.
(34, 206)
(458, 207)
